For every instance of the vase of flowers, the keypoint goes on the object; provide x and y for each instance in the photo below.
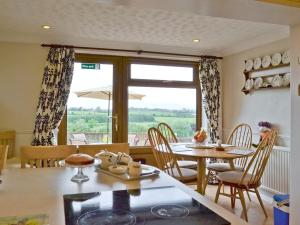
(264, 129)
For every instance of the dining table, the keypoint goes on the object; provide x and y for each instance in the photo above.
(33, 191)
(201, 153)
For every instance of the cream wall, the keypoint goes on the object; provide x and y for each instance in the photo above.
(268, 105)
(295, 126)
(21, 69)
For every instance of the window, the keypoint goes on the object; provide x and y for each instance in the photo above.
(169, 95)
(143, 93)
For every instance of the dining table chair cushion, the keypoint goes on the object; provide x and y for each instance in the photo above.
(234, 177)
(187, 174)
(187, 164)
(223, 167)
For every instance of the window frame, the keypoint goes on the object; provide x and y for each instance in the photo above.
(122, 81)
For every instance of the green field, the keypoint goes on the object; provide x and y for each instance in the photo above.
(81, 120)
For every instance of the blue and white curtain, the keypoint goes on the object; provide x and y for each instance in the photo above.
(211, 89)
(54, 94)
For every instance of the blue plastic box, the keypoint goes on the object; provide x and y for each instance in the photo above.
(281, 212)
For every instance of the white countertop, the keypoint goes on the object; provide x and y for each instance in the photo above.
(40, 191)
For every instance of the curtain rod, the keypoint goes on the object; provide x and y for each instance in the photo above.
(134, 51)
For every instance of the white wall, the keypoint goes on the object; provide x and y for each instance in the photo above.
(21, 70)
(271, 105)
(295, 127)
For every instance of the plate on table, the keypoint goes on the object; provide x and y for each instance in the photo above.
(266, 61)
(277, 81)
(285, 57)
(249, 65)
(249, 84)
(257, 63)
(276, 59)
(286, 79)
(258, 83)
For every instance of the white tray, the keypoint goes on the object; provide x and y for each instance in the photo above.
(147, 172)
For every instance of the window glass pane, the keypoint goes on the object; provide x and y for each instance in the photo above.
(155, 72)
(174, 106)
(87, 111)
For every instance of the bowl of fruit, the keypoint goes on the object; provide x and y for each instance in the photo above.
(200, 136)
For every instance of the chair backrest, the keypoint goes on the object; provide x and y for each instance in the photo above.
(8, 138)
(260, 159)
(241, 136)
(92, 150)
(167, 132)
(3, 156)
(162, 152)
(45, 156)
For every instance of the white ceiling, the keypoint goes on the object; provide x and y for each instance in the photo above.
(117, 24)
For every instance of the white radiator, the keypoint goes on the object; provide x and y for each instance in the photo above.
(276, 177)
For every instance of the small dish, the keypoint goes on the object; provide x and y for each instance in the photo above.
(277, 81)
(118, 169)
(257, 63)
(249, 84)
(266, 61)
(286, 57)
(276, 59)
(286, 79)
(258, 83)
(249, 65)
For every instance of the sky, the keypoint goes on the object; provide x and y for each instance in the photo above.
(166, 98)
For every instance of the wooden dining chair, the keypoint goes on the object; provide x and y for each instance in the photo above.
(170, 136)
(248, 180)
(166, 160)
(92, 150)
(241, 137)
(45, 156)
(3, 156)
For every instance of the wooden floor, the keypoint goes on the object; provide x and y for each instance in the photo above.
(255, 213)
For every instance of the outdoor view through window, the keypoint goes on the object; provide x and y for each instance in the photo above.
(90, 97)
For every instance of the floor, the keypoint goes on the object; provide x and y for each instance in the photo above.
(255, 213)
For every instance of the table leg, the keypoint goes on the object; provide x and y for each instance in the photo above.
(201, 176)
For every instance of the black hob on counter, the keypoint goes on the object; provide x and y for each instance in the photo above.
(153, 206)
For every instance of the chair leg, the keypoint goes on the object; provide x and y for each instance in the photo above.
(261, 202)
(248, 195)
(232, 198)
(218, 192)
(241, 194)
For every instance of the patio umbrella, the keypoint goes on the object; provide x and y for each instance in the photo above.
(105, 93)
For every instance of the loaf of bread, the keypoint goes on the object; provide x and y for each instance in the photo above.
(79, 159)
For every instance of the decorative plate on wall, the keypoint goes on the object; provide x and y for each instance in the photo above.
(276, 59)
(277, 81)
(258, 83)
(286, 79)
(257, 63)
(286, 57)
(249, 84)
(266, 61)
(249, 65)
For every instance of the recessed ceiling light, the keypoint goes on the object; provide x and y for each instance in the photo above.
(47, 27)
(196, 40)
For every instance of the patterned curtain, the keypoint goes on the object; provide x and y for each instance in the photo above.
(210, 87)
(54, 94)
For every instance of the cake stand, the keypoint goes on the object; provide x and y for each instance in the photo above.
(79, 177)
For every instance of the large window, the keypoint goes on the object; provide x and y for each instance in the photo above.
(117, 99)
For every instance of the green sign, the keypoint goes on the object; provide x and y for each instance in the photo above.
(90, 66)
